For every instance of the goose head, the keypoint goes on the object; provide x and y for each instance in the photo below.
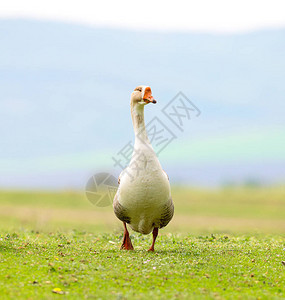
(142, 95)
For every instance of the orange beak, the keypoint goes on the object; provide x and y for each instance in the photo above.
(147, 97)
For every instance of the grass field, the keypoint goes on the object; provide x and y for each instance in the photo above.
(222, 244)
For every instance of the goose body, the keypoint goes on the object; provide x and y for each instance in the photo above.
(143, 199)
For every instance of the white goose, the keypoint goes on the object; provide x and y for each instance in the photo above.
(143, 199)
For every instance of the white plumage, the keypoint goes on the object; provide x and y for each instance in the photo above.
(143, 199)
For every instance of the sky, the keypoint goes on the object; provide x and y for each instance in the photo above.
(221, 16)
(232, 83)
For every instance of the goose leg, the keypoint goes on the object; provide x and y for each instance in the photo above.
(154, 235)
(127, 244)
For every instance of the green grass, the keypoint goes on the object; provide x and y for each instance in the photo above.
(230, 210)
(222, 244)
(84, 265)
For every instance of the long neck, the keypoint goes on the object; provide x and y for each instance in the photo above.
(137, 112)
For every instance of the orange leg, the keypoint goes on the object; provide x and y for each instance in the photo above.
(127, 244)
(154, 235)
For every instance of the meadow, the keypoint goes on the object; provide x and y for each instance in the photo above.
(226, 243)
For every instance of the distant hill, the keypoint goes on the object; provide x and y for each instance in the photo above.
(65, 102)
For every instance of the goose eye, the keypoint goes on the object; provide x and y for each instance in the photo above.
(138, 89)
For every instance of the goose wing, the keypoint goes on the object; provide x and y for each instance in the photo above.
(120, 211)
(167, 214)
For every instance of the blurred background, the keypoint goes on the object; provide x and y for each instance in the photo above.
(66, 73)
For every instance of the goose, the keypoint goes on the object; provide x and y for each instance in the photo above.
(143, 199)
